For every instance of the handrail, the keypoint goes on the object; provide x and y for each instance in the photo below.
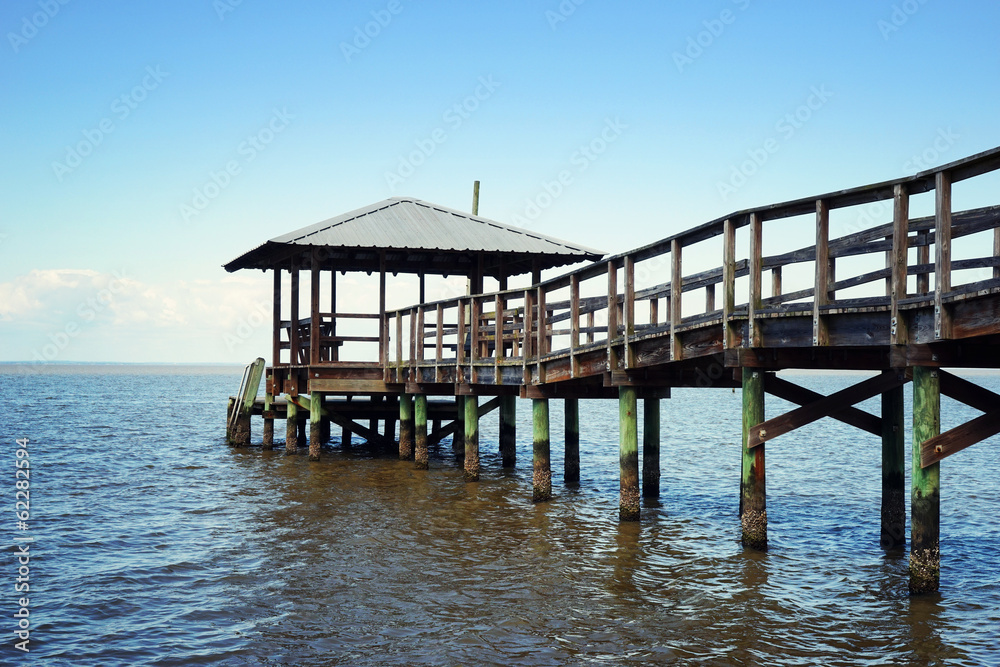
(517, 326)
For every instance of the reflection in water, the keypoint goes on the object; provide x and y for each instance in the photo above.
(221, 556)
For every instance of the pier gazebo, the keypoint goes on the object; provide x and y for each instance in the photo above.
(398, 235)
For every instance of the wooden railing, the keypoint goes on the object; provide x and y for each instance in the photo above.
(507, 336)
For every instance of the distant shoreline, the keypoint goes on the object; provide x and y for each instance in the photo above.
(78, 367)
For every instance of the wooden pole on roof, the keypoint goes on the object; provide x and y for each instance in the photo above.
(475, 211)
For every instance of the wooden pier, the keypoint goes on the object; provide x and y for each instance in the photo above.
(888, 298)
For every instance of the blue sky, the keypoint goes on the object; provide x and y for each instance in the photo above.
(145, 144)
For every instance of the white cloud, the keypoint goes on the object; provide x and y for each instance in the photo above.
(82, 315)
(85, 315)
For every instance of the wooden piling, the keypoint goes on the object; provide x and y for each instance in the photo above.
(628, 451)
(303, 431)
(324, 429)
(508, 430)
(230, 408)
(893, 534)
(268, 433)
(471, 439)
(571, 467)
(406, 427)
(315, 426)
(373, 422)
(291, 427)
(925, 498)
(651, 448)
(541, 482)
(420, 431)
(345, 436)
(753, 497)
(458, 437)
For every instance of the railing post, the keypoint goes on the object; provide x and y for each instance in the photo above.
(438, 342)
(756, 268)
(728, 282)
(528, 335)
(628, 306)
(498, 334)
(996, 250)
(421, 327)
(413, 344)
(923, 258)
(612, 314)
(460, 346)
(475, 315)
(942, 247)
(399, 345)
(542, 333)
(574, 323)
(676, 289)
(821, 286)
(900, 241)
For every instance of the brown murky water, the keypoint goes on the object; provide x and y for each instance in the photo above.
(159, 545)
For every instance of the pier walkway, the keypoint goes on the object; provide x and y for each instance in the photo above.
(725, 304)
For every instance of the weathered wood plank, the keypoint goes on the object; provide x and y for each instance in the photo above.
(824, 407)
(756, 240)
(901, 217)
(728, 281)
(676, 280)
(974, 431)
(942, 248)
(800, 395)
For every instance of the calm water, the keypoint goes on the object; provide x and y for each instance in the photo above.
(155, 543)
